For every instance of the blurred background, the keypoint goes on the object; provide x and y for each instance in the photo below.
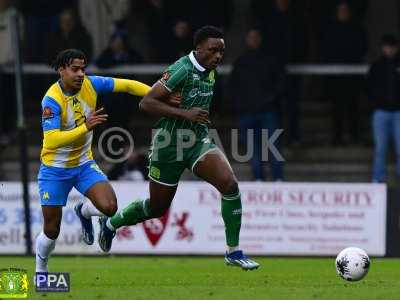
(326, 72)
(317, 56)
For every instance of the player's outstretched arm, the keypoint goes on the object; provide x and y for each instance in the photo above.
(105, 85)
(132, 87)
(53, 139)
(155, 103)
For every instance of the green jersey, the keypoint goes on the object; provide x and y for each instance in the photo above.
(195, 85)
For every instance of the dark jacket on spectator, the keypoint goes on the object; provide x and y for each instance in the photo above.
(177, 48)
(344, 43)
(109, 59)
(384, 84)
(285, 37)
(79, 38)
(256, 83)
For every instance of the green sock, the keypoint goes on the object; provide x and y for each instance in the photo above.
(231, 208)
(134, 213)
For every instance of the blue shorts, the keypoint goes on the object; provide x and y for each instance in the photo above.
(56, 183)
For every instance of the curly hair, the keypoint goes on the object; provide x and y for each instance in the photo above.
(205, 33)
(65, 58)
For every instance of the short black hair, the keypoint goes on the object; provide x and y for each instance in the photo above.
(389, 40)
(65, 58)
(205, 33)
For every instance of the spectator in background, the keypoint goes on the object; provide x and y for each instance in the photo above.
(344, 42)
(7, 105)
(384, 91)
(6, 51)
(102, 19)
(161, 15)
(285, 32)
(320, 13)
(217, 13)
(283, 26)
(41, 21)
(156, 23)
(256, 86)
(180, 43)
(118, 52)
(70, 34)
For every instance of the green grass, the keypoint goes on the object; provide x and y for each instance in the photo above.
(126, 278)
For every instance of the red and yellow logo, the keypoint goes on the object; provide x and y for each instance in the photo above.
(47, 113)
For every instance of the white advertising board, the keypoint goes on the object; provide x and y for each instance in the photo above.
(278, 219)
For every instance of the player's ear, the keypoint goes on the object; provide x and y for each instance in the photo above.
(60, 70)
(198, 48)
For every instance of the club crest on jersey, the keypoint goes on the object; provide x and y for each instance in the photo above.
(211, 77)
(196, 77)
(47, 113)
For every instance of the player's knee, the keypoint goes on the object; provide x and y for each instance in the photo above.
(51, 231)
(229, 185)
(110, 208)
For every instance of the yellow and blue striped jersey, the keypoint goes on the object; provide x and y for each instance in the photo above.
(66, 140)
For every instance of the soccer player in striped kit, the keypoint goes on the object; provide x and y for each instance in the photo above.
(193, 78)
(69, 116)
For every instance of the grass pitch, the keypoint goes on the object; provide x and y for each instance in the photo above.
(125, 278)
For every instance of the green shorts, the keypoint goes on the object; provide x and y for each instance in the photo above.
(167, 162)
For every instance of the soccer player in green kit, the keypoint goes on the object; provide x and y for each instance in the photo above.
(181, 125)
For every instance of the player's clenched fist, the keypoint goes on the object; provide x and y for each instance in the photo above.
(95, 118)
(197, 114)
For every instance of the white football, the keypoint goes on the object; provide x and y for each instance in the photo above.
(352, 264)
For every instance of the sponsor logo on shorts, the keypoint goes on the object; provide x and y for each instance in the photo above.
(155, 172)
(206, 140)
(46, 196)
(96, 168)
(236, 212)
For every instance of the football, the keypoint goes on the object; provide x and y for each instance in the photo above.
(352, 264)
